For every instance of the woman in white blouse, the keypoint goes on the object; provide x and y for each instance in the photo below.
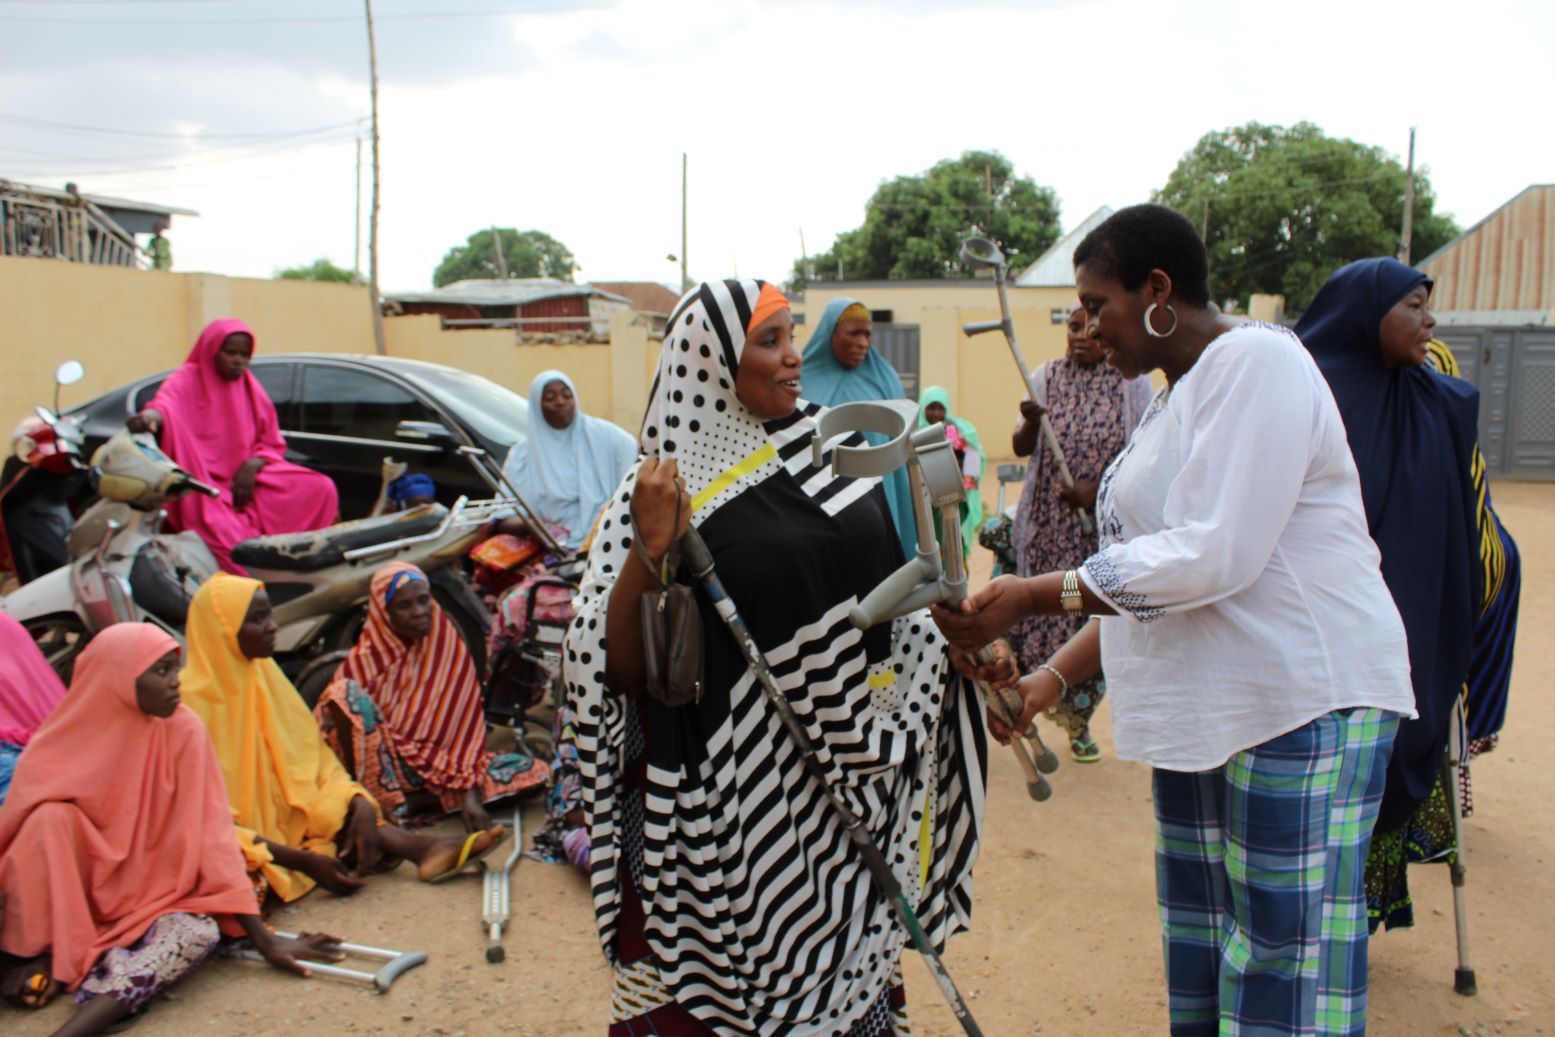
(1254, 656)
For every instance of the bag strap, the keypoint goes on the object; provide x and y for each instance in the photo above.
(667, 568)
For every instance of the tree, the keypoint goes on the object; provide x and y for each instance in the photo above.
(1289, 206)
(914, 225)
(530, 253)
(318, 270)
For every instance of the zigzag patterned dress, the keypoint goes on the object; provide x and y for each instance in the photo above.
(726, 893)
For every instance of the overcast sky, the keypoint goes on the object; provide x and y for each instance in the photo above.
(570, 116)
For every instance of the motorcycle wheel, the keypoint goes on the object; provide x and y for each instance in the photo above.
(459, 603)
(60, 638)
(315, 677)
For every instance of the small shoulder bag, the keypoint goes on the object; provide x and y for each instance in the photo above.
(672, 630)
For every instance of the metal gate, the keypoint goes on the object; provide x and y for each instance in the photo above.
(898, 343)
(1514, 370)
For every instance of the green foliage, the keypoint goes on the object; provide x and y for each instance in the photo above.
(318, 270)
(529, 253)
(914, 225)
(1289, 206)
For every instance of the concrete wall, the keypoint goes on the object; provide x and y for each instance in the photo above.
(123, 324)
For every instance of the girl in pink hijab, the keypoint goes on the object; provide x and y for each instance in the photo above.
(29, 691)
(213, 417)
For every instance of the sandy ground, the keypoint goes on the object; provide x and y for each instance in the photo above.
(1064, 940)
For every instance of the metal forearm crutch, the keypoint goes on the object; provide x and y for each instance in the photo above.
(933, 575)
(397, 962)
(1463, 981)
(496, 889)
(982, 254)
(700, 560)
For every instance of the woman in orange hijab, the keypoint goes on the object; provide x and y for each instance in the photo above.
(118, 862)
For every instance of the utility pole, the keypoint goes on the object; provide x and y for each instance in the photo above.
(685, 277)
(372, 227)
(356, 249)
(1204, 223)
(1409, 203)
(496, 246)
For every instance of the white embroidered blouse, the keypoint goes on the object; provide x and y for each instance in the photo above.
(1235, 548)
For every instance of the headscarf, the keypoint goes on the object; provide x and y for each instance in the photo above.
(407, 487)
(29, 687)
(116, 817)
(284, 783)
(828, 383)
(1412, 434)
(426, 688)
(746, 878)
(567, 475)
(973, 520)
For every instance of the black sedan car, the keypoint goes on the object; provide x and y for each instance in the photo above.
(343, 414)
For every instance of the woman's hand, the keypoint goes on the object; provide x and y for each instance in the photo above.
(243, 482)
(331, 874)
(362, 837)
(147, 420)
(984, 616)
(284, 952)
(654, 507)
(1081, 495)
(1038, 691)
(1031, 411)
(473, 812)
(998, 672)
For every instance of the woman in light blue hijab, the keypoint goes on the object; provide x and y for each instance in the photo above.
(840, 366)
(570, 463)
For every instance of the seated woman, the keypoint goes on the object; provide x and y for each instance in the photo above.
(301, 820)
(727, 894)
(119, 869)
(29, 691)
(213, 417)
(934, 405)
(570, 462)
(404, 711)
(841, 365)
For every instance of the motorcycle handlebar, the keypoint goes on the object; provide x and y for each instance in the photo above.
(199, 487)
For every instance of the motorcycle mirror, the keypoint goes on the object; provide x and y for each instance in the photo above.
(980, 253)
(69, 373)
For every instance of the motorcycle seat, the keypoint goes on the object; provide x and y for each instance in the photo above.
(322, 548)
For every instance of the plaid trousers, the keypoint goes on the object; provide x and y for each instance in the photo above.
(1259, 873)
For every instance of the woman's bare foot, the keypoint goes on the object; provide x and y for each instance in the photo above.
(473, 812)
(443, 856)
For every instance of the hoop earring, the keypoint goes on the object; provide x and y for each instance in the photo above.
(1150, 330)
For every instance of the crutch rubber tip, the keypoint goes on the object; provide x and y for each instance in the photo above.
(1463, 982)
(1040, 790)
(1047, 763)
(496, 955)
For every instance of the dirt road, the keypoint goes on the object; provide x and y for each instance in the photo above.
(1065, 940)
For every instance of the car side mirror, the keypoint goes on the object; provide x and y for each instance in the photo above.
(428, 433)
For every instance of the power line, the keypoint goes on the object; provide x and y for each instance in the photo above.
(314, 19)
(113, 131)
(196, 160)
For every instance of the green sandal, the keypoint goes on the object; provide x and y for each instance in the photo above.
(1084, 748)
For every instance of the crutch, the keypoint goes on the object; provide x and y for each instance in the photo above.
(700, 559)
(934, 574)
(982, 254)
(495, 890)
(396, 962)
(1455, 765)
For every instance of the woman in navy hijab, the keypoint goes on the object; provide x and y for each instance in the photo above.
(1412, 433)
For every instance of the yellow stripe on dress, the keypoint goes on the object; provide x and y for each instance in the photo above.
(883, 679)
(732, 474)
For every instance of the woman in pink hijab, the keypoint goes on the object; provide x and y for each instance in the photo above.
(29, 691)
(212, 416)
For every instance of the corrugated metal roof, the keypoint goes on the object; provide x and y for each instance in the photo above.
(1504, 262)
(515, 292)
(102, 201)
(1491, 318)
(1055, 267)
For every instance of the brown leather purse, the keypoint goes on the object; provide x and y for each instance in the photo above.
(672, 632)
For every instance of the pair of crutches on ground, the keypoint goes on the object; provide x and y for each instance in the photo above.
(495, 903)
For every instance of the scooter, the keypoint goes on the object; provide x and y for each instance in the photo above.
(124, 567)
(45, 470)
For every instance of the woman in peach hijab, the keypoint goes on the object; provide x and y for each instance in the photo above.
(301, 820)
(118, 863)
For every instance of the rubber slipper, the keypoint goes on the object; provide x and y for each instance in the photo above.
(37, 991)
(469, 855)
(1084, 750)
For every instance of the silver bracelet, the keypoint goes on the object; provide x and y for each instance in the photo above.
(1050, 668)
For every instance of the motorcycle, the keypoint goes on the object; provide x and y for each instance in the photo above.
(124, 567)
(44, 472)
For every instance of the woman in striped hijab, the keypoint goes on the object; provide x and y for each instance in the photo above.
(727, 896)
(404, 711)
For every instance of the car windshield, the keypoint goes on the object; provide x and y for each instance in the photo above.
(499, 414)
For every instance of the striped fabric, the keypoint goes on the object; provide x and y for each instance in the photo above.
(1259, 868)
(427, 690)
(758, 915)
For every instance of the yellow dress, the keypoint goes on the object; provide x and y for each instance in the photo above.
(284, 784)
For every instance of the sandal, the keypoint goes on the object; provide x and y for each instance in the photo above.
(469, 855)
(35, 986)
(1084, 748)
